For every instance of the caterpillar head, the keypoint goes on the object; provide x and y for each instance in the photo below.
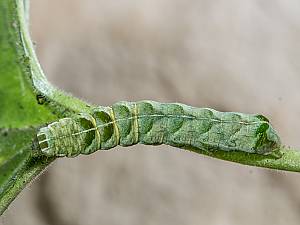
(268, 140)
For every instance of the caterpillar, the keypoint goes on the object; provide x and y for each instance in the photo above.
(153, 123)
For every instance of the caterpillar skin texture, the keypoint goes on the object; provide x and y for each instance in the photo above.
(153, 123)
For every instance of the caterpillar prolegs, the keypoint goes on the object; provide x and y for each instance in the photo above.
(153, 123)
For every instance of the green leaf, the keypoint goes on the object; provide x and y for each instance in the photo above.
(18, 100)
(22, 84)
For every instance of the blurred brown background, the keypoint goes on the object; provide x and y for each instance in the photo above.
(226, 54)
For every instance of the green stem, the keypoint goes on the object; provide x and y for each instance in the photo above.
(290, 160)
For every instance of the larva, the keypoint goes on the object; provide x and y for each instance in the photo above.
(153, 123)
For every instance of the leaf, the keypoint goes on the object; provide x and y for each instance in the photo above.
(21, 82)
(16, 166)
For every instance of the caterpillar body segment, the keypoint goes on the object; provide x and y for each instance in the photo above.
(153, 123)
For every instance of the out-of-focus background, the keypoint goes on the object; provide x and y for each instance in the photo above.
(229, 55)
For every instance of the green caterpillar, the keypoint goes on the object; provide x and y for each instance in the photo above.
(153, 123)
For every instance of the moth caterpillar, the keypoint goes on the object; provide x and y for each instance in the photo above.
(153, 123)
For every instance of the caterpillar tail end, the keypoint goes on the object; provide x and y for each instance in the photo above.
(36, 150)
(40, 145)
